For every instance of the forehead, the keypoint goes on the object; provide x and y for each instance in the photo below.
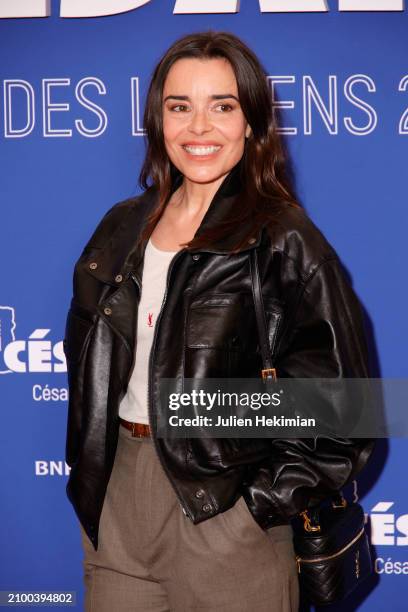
(193, 75)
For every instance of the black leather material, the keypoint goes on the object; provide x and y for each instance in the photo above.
(332, 548)
(263, 336)
(207, 328)
(326, 580)
(338, 525)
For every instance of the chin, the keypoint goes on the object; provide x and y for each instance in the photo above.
(204, 176)
(204, 179)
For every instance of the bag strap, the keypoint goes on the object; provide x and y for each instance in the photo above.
(268, 372)
(310, 515)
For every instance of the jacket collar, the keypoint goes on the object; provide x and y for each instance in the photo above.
(122, 255)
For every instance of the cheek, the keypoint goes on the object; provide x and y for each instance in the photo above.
(174, 125)
(234, 130)
(170, 130)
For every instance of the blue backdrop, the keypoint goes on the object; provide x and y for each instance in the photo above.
(71, 146)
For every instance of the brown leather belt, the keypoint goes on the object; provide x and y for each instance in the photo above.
(139, 430)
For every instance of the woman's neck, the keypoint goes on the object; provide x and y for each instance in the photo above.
(193, 197)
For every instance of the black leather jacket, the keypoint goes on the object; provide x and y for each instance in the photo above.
(315, 329)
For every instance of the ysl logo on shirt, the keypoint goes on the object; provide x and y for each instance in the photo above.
(149, 319)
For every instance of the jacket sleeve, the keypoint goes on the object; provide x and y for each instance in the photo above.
(78, 330)
(326, 340)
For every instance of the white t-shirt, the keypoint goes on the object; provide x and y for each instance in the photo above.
(133, 406)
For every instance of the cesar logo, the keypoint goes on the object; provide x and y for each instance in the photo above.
(387, 528)
(37, 354)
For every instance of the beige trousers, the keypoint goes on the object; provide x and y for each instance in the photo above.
(151, 557)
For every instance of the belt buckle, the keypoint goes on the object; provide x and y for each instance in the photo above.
(135, 435)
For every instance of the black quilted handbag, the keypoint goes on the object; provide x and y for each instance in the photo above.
(332, 551)
(330, 542)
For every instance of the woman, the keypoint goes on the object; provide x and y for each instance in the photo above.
(163, 290)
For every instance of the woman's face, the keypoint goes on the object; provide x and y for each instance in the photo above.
(203, 123)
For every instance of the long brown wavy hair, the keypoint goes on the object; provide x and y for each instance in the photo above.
(264, 174)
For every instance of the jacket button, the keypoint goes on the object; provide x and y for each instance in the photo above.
(199, 493)
(251, 240)
(93, 265)
(107, 310)
(196, 257)
(118, 278)
(207, 507)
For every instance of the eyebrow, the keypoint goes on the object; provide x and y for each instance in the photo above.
(213, 97)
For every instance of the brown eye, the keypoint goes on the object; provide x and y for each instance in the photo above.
(225, 107)
(176, 108)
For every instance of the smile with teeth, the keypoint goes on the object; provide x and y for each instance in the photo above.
(197, 150)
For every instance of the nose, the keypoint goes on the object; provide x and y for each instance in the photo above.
(200, 122)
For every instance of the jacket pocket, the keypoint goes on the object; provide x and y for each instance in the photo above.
(215, 322)
(222, 336)
(227, 321)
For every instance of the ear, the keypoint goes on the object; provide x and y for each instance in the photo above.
(248, 131)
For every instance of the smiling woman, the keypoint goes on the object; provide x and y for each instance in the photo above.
(204, 135)
(209, 107)
(164, 290)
